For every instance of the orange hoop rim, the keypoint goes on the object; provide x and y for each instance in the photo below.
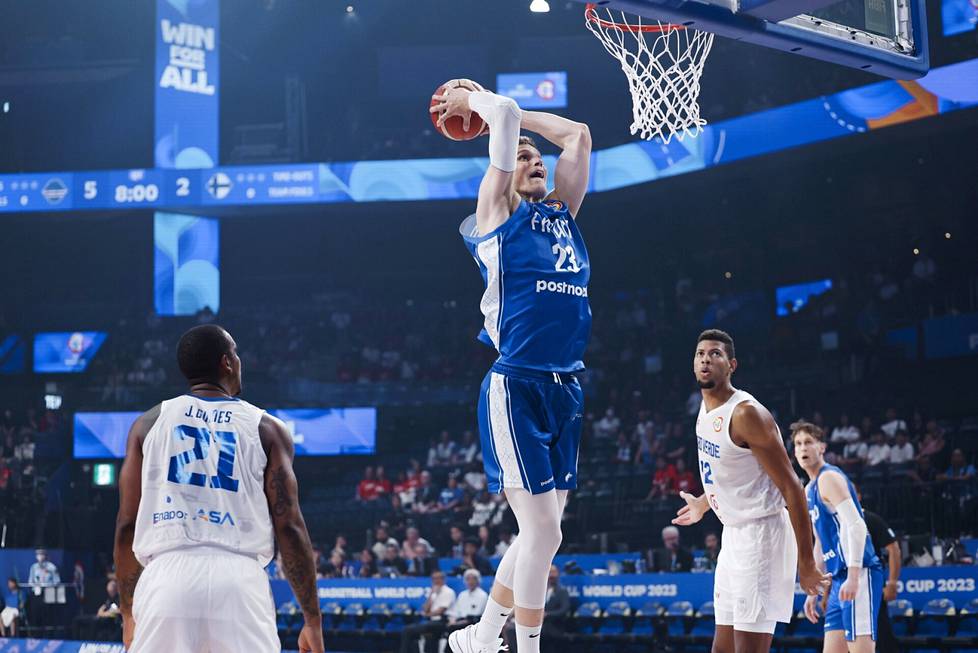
(591, 14)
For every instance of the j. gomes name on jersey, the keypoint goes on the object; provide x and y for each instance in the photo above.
(536, 271)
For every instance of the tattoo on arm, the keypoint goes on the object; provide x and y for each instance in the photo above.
(301, 573)
(280, 503)
(127, 587)
(298, 565)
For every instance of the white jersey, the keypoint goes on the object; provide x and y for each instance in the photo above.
(737, 487)
(203, 480)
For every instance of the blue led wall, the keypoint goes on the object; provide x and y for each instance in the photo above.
(187, 271)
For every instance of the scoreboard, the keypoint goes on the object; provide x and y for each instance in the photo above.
(840, 115)
(157, 188)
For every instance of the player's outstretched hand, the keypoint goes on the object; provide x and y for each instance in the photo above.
(311, 639)
(454, 102)
(693, 511)
(811, 609)
(812, 580)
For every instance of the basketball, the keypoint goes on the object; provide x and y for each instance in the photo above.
(453, 126)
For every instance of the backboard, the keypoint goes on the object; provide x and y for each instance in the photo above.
(886, 37)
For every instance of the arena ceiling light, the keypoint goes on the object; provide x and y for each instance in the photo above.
(539, 6)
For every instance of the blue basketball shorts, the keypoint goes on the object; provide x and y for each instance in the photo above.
(530, 429)
(857, 617)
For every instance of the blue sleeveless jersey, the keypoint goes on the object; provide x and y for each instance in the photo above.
(826, 524)
(536, 271)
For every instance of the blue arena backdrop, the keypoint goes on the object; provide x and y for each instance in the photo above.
(67, 351)
(188, 83)
(331, 431)
(854, 111)
(102, 435)
(187, 269)
(8, 645)
(534, 90)
(959, 16)
(13, 354)
(316, 432)
(797, 295)
(917, 584)
(951, 335)
(904, 340)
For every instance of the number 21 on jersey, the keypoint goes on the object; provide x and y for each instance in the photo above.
(201, 438)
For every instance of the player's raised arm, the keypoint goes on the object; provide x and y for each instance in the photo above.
(574, 164)
(502, 115)
(127, 568)
(754, 425)
(291, 534)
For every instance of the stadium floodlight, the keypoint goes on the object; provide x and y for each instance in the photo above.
(539, 6)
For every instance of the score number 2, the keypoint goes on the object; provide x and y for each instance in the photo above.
(183, 186)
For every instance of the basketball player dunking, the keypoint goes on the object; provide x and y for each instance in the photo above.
(747, 480)
(205, 491)
(843, 545)
(535, 266)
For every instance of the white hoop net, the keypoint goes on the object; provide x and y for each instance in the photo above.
(663, 64)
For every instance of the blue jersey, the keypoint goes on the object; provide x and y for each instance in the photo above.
(536, 271)
(826, 524)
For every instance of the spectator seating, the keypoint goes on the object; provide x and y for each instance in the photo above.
(586, 618)
(616, 619)
(645, 618)
(679, 616)
(400, 615)
(967, 625)
(935, 619)
(703, 624)
(376, 617)
(351, 617)
(901, 616)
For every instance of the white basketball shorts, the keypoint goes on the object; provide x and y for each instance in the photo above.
(754, 583)
(204, 601)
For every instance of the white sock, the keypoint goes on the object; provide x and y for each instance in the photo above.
(491, 624)
(528, 638)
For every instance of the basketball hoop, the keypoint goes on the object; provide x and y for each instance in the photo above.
(663, 64)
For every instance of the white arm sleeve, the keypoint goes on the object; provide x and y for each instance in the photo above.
(853, 532)
(503, 116)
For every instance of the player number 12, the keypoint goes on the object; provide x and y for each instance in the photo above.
(707, 472)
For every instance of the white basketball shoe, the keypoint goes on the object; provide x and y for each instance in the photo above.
(464, 641)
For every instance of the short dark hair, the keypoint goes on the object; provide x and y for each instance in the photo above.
(812, 429)
(200, 350)
(527, 140)
(719, 336)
